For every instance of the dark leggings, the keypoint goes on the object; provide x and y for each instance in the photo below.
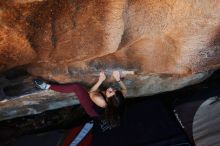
(82, 95)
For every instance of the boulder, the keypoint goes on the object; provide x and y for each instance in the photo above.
(166, 44)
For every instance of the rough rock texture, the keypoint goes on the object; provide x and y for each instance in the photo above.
(24, 99)
(168, 44)
(35, 103)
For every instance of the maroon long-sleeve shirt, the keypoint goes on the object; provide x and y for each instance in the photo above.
(82, 95)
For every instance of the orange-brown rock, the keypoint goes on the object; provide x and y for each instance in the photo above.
(167, 42)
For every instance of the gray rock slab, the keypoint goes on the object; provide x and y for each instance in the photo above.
(35, 103)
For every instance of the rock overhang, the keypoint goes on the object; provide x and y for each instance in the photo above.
(168, 44)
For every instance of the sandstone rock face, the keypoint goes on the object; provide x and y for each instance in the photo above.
(168, 44)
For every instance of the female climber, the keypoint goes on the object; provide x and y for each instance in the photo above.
(107, 104)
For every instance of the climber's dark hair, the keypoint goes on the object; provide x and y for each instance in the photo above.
(115, 108)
